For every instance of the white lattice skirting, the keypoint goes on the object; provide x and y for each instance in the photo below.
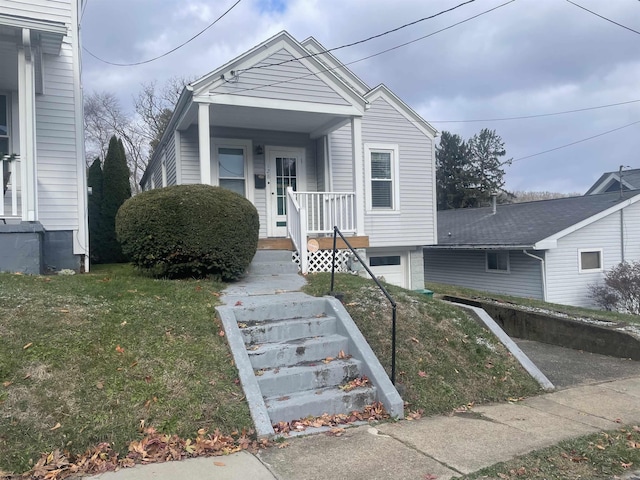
(320, 261)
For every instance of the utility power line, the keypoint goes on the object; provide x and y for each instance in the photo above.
(577, 141)
(358, 42)
(603, 17)
(170, 51)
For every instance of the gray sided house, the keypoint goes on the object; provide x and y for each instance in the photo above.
(550, 250)
(43, 223)
(288, 126)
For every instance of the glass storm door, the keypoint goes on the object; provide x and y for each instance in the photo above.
(283, 172)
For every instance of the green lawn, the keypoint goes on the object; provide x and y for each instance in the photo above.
(444, 359)
(94, 358)
(605, 455)
(530, 302)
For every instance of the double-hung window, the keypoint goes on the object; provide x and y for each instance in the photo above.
(381, 169)
(233, 165)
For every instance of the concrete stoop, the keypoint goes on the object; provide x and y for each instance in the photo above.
(287, 350)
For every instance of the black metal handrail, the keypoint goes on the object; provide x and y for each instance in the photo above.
(337, 232)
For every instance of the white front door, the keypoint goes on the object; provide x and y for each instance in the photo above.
(284, 168)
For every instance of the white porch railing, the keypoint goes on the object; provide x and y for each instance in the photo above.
(297, 228)
(316, 213)
(10, 206)
(326, 210)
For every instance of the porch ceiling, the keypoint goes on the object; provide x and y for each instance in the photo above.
(264, 119)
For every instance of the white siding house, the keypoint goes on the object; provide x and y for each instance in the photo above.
(552, 250)
(43, 224)
(288, 114)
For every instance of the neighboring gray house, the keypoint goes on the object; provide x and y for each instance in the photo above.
(610, 182)
(549, 249)
(43, 221)
(311, 145)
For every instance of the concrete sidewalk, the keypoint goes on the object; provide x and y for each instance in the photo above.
(444, 446)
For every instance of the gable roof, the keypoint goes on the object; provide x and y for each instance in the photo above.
(630, 181)
(535, 225)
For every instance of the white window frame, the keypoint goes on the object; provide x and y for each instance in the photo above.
(247, 145)
(600, 253)
(496, 270)
(8, 136)
(370, 148)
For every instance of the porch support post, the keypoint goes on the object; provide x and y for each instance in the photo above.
(204, 142)
(27, 121)
(358, 172)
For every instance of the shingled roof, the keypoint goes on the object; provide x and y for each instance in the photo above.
(521, 225)
(630, 181)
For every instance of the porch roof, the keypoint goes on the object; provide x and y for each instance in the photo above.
(47, 34)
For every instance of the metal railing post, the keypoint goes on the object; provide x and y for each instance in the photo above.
(336, 232)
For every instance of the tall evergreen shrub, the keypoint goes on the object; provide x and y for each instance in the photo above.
(115, 190)
(94, 180)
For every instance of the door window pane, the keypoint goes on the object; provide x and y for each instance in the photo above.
(233, 185)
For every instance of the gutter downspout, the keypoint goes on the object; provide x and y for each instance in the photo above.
(622, 235)
(544, 273)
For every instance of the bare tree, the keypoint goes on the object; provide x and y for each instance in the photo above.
(104, 117)
(524, 196)
(154, 106)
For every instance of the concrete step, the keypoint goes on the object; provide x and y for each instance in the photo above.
(262, 256)
(314, 403)
(273, 268)
(278, 308)
(287, 380)
(268, 331)
(292, 352)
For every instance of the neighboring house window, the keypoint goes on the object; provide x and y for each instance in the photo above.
(231, 167)
(384, 261)
(590, 260)
(498, 261)
(381, 169)
(4, 125)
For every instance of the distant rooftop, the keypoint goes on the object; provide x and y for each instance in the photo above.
(519, 224)
(609, 182)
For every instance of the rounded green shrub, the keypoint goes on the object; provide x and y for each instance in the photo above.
(189, 231)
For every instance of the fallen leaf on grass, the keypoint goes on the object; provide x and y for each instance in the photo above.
(123, 323)
(415, 340)
(119, 349)
(626, 465)
(27, 345)
(27, 376)
(219, 464)
(430, 476)
(100, 385)
(284, 445)
(6, 384)
(55, 427)
(422, 374)
(221, 333)
(64, 310)
(600, 447)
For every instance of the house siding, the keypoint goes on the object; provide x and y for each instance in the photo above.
(170, 161)
(414, 223)
(56, 141)
(341, 147)
(189, 156)
(282, 81)
(565, 283)
(50, 10)
(467, 268)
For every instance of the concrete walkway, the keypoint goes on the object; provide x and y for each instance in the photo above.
(443, 446)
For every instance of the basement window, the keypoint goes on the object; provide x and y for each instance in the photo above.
(498, 262)
(590, 260)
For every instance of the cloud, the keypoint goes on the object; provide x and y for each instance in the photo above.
(527, 57)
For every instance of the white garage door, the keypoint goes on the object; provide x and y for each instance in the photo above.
(392, 266)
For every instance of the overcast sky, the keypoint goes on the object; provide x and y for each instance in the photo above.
(526, 58)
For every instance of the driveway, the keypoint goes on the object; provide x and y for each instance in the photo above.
(566, 367)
